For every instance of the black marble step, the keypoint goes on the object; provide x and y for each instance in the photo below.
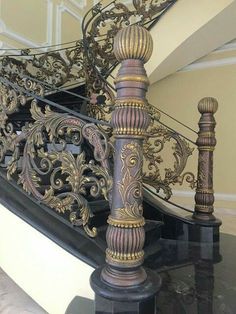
(58, 228)
(197, 278)
(179, 226)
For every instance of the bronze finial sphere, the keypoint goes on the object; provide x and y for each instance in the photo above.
(208, 105)
(133, 42)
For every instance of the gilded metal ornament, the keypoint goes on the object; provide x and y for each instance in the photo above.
(57, 176)
(153, 149)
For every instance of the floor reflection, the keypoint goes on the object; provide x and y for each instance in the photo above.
(197, 278)
(80, 305)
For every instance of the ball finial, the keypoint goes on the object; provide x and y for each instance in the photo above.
(133, 42)
(208, 105)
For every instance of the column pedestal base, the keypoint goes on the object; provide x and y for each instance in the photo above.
(118, 300)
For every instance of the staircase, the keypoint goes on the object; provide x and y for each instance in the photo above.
(59, 171)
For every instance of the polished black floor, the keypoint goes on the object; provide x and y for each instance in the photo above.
(196, 278)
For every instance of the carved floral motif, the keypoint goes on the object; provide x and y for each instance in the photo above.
(130, 187)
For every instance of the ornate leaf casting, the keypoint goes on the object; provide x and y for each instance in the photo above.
(59, 176)
(154, 144)
(10, 101)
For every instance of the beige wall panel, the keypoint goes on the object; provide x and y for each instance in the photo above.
(30, 23)
(28, 18)
(179, 94)
(70, 27)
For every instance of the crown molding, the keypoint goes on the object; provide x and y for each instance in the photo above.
(227, 47)
(209, 64)
(218, 62)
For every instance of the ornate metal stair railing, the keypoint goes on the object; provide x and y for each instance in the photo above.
(99, 26)
(60, 159)
(89, 60)
(163, 141)
(56, 67)
(158, 137)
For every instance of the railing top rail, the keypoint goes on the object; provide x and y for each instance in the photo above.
(27, 52)
(53, 88)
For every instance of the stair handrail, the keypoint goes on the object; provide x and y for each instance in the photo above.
(52, 103)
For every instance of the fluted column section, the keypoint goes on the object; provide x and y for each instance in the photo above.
(130, 119)
(206, 142)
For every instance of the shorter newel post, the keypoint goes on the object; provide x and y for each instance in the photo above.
(206, 142)
(123, 281)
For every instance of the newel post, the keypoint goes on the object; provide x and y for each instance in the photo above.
(123, 278)
(206, 142)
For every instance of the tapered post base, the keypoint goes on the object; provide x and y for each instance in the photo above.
(139, 299)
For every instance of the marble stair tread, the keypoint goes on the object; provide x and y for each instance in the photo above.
(13, 300)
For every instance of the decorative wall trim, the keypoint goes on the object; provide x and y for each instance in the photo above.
(227, 47)
(60, 10)
(81, 4)
(218, 196)
(49, 22)
(200, 65)
(6, 31)
(4, 46)
(209, 64)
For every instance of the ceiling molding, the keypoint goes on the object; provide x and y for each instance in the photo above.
(209, 64)
(200, 65)
(19, 38)
(227, 47)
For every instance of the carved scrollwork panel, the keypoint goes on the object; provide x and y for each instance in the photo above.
(130, 187)
(61, 177)
(158, 139)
